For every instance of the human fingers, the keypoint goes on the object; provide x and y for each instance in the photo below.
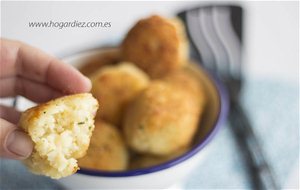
(14, 143)
(19, 59)
(10, 114)
(30, 89)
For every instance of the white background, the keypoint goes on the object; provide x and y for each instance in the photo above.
(271, 30)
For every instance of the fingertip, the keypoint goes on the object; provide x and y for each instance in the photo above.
(68, 79)
(81, 83)
(19, 145)
(87, 84)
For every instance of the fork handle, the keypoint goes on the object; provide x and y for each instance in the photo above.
(261, 174)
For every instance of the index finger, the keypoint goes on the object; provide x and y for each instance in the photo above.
(19, 59)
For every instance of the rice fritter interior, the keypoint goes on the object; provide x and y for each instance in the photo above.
(60, 130)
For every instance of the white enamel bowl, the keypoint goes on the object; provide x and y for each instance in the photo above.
(173, 171)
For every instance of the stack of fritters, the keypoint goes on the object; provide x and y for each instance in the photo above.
(149, 100)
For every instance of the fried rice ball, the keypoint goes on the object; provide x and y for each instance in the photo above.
(60, 130)
(107, 150)
(145, 161)
(115, 86)
(161, 119)
(157, 45)
(187, 80)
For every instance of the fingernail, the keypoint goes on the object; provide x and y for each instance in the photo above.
(88, 82)
(19, 143)
(87, 79)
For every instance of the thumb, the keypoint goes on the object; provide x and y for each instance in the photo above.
(14, 143)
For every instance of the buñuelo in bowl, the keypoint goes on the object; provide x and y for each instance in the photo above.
(159, 173)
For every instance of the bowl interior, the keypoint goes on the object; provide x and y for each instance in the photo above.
(215, 108)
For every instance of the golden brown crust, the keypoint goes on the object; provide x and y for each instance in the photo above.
(161, 119)
(115, 86)
(157, 45)
(147, 160)
(107, 149)
(187, 81)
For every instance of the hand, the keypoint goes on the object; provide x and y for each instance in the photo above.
(29, 72)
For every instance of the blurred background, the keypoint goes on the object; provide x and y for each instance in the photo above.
(271, 67)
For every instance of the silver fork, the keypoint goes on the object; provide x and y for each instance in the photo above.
(216, 35)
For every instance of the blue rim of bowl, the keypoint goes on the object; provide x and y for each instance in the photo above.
(224, 107)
